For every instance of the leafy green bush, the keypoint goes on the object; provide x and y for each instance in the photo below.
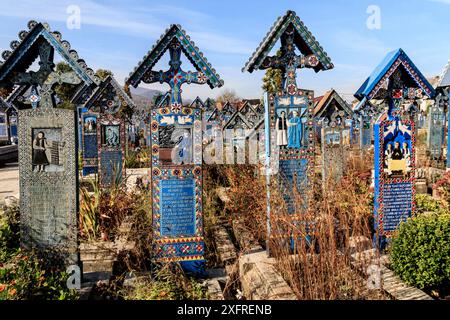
(426, 203)
(9, 231)
(25, 275)
(420, 251)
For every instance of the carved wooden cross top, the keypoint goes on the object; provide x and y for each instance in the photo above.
(56, 77)
(175, 77)
(289, 61)
(45, 78)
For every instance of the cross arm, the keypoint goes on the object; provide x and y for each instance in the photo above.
(154, 76)
(195, 77)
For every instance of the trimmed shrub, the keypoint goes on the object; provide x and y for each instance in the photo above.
(420, 251)
(426, 203)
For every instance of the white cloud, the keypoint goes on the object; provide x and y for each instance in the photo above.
(147, 22)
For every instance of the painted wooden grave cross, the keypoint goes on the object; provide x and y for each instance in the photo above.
(436, 128)
(47, 140)
(8, 122)
(443, 87)
(399, 84)
(104, 132)
(175, 77)
(176, 146)
(335, 143)
(289, 120)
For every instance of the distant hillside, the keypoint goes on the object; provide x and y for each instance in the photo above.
(143, 96)
(144, 92)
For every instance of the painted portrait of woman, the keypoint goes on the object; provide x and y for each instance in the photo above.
(294, 131)
(40, 146)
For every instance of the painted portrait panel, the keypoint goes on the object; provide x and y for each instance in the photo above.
(111, 136)
(48, 150)
(90, 125)
(176, 145)
(397, 149)
(290, 127)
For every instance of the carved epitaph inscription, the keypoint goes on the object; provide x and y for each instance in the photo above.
(49, 223)
(435, 138)
(111, 146)
(177, 207)
(293, 172)
(90, 148)
(333, 153)
(394, 174)
(48, 180)
(366, 135)
(397, 204)
(111, 165)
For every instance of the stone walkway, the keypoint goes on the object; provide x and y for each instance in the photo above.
(9, 181)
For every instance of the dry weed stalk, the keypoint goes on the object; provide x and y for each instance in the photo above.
(316, 260)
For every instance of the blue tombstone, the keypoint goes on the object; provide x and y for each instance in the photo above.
(394, 134)
(176, 144)
(104, 132)
(89, 142)
(289, 117)
(443, 87)
(436, 128)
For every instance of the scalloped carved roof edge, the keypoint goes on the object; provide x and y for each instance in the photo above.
(327, 99)
(197, 101)
(54, 38)
(233, 117)
(192, 52)
(380, 75)
(275, 33)
(102, 87)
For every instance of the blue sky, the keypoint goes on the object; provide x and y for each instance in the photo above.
(116, 34)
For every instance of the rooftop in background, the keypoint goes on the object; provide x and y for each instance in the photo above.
(444, 78)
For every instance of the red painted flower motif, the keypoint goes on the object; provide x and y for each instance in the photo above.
(397, 94)
(313, 61)
(201, 77)
(292, 89)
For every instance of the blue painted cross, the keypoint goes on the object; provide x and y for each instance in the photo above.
(175, 77)
(289, 61)
(397, 92)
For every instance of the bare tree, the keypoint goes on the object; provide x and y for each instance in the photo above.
(227, 95)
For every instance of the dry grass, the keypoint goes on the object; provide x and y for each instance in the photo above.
(317, 268)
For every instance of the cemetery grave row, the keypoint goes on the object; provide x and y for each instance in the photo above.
(290, 119)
